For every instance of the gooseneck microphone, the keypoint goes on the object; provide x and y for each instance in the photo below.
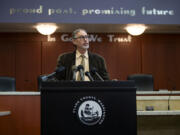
(74, 70)
(169, 100)
(89, 76)
(94, 71)
(81, 71)
(57, 71)
(170, 94)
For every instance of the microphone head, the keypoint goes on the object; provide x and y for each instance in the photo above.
(80, 67)
(93, 70)
(87, 73)
(60, 69)
(89, 76)
(74, 68)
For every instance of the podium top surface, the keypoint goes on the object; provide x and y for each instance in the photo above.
(87, 84)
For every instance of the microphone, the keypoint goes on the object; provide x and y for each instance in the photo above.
(169, 100)
(74, 70)
(81, 71)
(89, 76)
(171, 91)
(94, 71)
(58, 70)
(170, 94)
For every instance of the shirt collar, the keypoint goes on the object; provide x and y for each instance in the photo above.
(78, 54)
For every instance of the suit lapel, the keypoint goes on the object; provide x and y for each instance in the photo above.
(71, 63)
(91, 64)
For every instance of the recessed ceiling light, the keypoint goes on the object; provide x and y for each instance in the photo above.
(135, 29)
(46, 28)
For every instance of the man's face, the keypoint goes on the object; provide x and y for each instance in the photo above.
(81, 40)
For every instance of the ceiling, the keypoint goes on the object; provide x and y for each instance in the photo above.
(97, 28)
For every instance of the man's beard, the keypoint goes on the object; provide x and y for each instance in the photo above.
(85, 46)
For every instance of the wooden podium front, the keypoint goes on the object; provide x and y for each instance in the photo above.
(24, 113)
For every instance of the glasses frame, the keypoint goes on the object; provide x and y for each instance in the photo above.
(82, 37)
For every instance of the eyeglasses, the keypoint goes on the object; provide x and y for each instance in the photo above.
(82, 37)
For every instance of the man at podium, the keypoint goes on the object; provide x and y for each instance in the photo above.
(81, 65)
(81, 107)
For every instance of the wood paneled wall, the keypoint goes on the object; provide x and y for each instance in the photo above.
(160, 56)
(25, 115)
(28, 55)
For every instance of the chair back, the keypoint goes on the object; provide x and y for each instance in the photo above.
(143, 82)
(7, 83)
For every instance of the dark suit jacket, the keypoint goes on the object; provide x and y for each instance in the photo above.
(68, 60)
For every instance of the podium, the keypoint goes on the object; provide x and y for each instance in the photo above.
(88, 108)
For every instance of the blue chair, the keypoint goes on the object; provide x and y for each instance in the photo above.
(7, 83)
(143, 82)
(45, 78)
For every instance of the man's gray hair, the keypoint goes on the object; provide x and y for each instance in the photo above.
(77, 31)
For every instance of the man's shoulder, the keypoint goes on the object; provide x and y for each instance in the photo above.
(95, 55)
(67, 54)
